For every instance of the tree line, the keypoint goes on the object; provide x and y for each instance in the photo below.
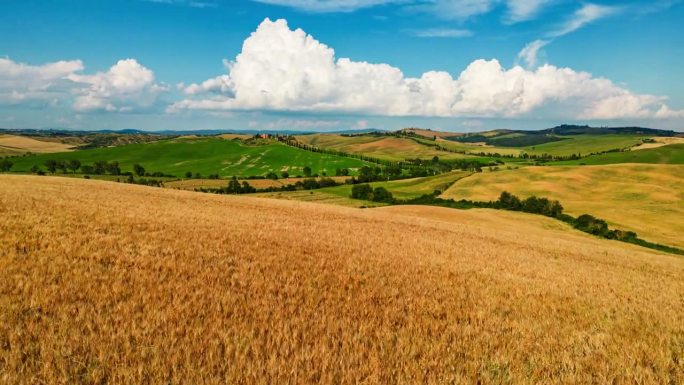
(235, 187)
(534, 205)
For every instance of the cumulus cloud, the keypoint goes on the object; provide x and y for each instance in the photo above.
(125, 86)
(280, 69)
(21, 82)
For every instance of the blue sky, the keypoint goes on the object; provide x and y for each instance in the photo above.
(458, 65)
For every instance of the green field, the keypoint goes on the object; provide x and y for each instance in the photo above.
(205, 156)
(584, 144)
(670, 154)
(572, 144)
(407, 188)
(401, 189)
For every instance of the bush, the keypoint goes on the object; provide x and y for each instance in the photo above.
(380, 194)
(362, 191)
(592, 225)
(139, 170)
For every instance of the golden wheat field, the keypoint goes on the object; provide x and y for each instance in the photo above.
(103, 282)
(16, 145)
(390, 148)
(645, 198)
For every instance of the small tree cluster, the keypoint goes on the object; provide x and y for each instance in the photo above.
(366, 192)
(5, 165)
(533, 204)
(234, 187)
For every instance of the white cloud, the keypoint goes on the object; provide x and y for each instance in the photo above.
(445, 9)
(442, 32)
(328, 5)
(456, 9)
(189, 3)
(284, 70)
(586, 14)
(125, 86)
(521, 10)
(21, 83)
(529, 53)
(297, 124)
(218, 85)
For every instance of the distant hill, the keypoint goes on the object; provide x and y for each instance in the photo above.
(522, 138)
(568, 129)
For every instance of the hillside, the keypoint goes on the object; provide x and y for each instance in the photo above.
(668, 154)
(17, 145)
(205, 156)
(378, 146)
(133, 284)
(645, 198)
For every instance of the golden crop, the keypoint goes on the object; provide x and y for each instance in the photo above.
(645, 198)
(111, 283)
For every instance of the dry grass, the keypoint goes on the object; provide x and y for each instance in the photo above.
(324, 196)
(659, 142)
(645, 198)
(16, 145)
(111, 283)
(384, 147)
(235, 136)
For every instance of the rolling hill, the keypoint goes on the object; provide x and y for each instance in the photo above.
(11, 145)
(668, 154)
(205, 156)
(645, 198)
(378, 146)
(182, 287)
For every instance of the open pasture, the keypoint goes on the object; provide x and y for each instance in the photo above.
(205, 156)
(668, 154)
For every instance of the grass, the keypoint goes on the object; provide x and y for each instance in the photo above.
(206, 156)
(573, 144)
(328, 196)
(132, 284)
(192, 184)
(11, 145)
(382, 147)
(646, 199)
(585, 144)
(669, 154)
(407, 188)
